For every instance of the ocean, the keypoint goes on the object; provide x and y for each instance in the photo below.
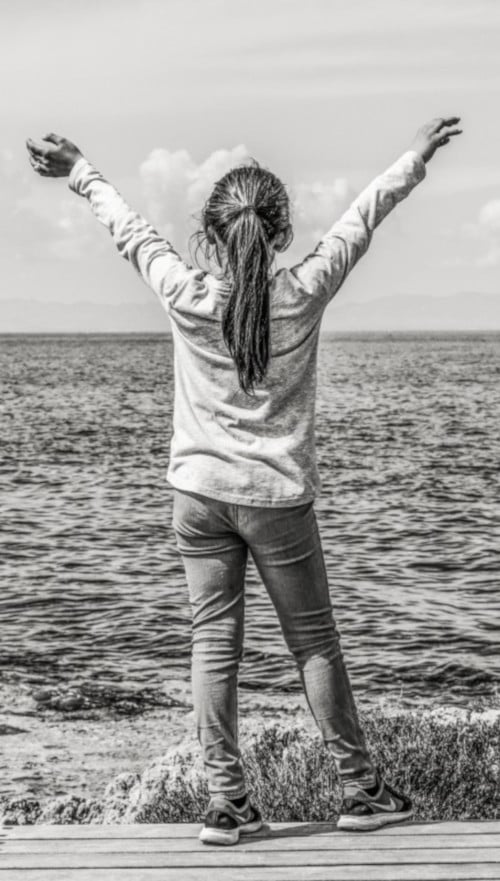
(408, 447)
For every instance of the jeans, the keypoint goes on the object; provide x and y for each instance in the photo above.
(213, 538)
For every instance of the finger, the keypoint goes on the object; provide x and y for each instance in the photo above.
(446, 133)
(44, 170)
(33, 148)
(38, 164)
(436, 123)
(41, 169)
(447, 136)
(37, 158)
(450, 133)
(443, 122)
(39, 148)
(54, 139)
(33, 161)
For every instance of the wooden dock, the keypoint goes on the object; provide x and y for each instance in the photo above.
(279, 852)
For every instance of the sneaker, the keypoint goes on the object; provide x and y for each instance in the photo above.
(363, 809)
(224, 822)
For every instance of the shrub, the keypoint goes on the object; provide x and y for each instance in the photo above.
(450, 767)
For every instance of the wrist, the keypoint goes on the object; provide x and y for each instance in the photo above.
(423, 147)
(421, 152)
(74, 157)
(76, 169)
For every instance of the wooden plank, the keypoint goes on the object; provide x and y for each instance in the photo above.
(156, 830)
(249, 843)
(190, 830)
(216, 856)
(466, 872)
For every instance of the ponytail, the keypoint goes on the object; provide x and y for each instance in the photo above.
(245, 322)
(248, 214)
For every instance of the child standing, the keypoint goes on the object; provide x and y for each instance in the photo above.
(242, 459)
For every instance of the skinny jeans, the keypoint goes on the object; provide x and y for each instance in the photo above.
(214, 538)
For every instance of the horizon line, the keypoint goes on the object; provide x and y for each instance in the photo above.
(345, 331)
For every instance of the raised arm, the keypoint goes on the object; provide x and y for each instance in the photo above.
(322, 273)
(136, 240)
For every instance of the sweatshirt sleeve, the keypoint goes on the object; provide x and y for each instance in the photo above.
(152, 256)
(323, 272)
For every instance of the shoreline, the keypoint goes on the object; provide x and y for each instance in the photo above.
(165, 781)
(72, 757)
(60, 749)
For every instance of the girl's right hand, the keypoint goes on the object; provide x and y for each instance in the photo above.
(53, 156)
(434, 134)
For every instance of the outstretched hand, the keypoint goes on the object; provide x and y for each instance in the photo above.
(53, 156)
(435, 134)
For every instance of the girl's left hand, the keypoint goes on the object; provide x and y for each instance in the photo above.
(53, 156)
(435, 134)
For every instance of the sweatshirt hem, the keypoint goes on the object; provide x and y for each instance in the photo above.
(239, 499)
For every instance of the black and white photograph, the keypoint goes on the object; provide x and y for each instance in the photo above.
(250, 440)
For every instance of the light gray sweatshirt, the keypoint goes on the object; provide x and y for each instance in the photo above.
(226, 445)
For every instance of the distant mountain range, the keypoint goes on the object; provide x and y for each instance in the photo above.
(463, 311)
(81, 316)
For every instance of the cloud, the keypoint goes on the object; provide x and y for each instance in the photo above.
(489, 216)
(316, 206)
(486, 230)
(176, 187)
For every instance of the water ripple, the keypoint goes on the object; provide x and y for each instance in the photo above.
(408, 440)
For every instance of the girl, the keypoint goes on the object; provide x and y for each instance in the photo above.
(242, 459)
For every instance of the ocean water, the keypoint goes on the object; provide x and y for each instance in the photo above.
(408, 444)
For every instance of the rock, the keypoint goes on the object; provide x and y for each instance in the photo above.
(151, 796)
(43, 695)
(117, 797)
(127, 708)
(70, 702)
(11, 729)
(181, 770)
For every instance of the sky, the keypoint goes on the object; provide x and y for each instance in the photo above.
(164, 96)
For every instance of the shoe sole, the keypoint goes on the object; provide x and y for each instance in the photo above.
(365, 824)
(211, 835)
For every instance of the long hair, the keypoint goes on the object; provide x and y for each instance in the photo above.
(248, 214)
